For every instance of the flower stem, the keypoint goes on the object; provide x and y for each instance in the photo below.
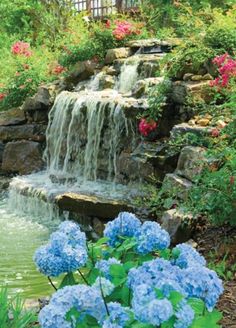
(83, 277)
(103, 297)
(51, 283)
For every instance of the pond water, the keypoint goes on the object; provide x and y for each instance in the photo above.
(20, 236)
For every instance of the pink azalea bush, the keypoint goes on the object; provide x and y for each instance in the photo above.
(122, 29)
(147, 126)
(226, 66)
(21, 48)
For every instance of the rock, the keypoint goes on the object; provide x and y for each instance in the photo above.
(187, 76)
(23, 157)
(2, 146)
(98, 226)
(81, 71)
(35, 132)
(196, 78)
(106, 82)
(4, 182)
(148, 43)
(207, 77)
(183, 128)
(195, 89)
(41, 101)
(12, 117)
(203, 121)
(91, 205)
(220, 124)
(191, 162)
(178, 224)
(142, 86)
(176, 185)
(113, 54)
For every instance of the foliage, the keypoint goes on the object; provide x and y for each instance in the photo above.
(131, 279)
(12, 313)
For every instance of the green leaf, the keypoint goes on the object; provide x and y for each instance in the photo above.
(175, 298)
(197, 305)
(169, 323)
(93, 274)
(117, 270)
(129, 265)
(68, 280)
(141, 325)
(101, 241)
(165, 254)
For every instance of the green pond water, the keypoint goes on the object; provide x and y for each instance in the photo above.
(20, 236)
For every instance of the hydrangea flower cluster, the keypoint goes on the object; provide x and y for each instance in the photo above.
(147, 126)
(104, 266)
(65, 252)
(85, 299)
(147, 288)
(152, 237)
(125, 225)
(21, 48)
(227, 69)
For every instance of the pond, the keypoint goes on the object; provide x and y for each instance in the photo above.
(20, 236)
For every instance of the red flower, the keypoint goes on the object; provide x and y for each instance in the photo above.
(108, 24)
(59, 69)
(2, 96)
(232, 180)
(145, 127)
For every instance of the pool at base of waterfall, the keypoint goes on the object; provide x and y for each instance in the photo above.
(20, 236)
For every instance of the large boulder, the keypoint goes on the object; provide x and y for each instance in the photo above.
(80, 72)
(11, 117)
(191, 162)
(196, 89)
(23, 157)
(113, 54)
(91, 205)
(176, 185)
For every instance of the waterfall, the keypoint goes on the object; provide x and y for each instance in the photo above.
(128, 76)
(84, 136)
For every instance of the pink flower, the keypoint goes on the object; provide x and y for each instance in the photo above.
(145, 127)
(227, 70)
(215, 133)
(123, 29)
(21, 48)
(108, 24)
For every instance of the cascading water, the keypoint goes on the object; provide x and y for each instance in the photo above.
(86, 133)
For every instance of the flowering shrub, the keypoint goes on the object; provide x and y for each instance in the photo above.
(226, 66)
(21, 48)
(147, 126)
(124, 29)
(130, 278)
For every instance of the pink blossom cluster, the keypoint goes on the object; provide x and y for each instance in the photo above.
(147, 126)
(21, 48)
(227, 69)
(123, 29)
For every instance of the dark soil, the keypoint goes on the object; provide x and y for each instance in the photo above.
(221, 241)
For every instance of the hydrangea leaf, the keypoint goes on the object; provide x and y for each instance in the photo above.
(169, 323)
(68, 280)
(93, 274)
(210, 319)
(197, 305)
(101, 241)
(175, 298)
(165, 254)
(141, 325)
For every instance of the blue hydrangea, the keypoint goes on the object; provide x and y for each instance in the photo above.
(188, 256)
(125, 225)
(152, 237)
(104, 284)
(147, 308)
(84, 299)
(203, 283)
(118, 316)
(65, 252)
(184, 315)
(104, 266)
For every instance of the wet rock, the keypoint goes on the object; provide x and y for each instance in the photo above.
(81, 71)
(4, 182)
(107, 82)
(23, 157)
(91, 205)
(41, 101)
(191, 162)
(35, 132)
(178, 224)
(113, 54)
(142, 86)
(177, 185)
(98, 226)
(187, 76)
(149, 43)
(207, 77)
